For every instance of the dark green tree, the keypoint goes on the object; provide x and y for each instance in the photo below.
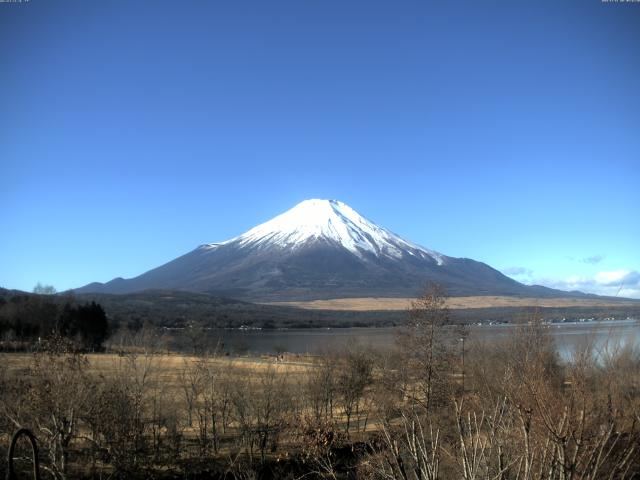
(86, 322)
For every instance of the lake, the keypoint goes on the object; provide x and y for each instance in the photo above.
(568, 336)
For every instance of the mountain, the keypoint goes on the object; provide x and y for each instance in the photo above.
(320, 249)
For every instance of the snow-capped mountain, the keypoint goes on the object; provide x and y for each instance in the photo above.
(319, 249)
(330, 221)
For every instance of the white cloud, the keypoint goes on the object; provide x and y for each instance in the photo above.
(617, 276)
(517, 271)
(622, 283)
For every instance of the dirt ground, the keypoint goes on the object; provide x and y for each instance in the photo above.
(368, 304)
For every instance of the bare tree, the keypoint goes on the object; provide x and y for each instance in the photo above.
(190, 378)
(354, 377)
(262, 410)
(427, 346)
(57, 394)
(320, 388)
(41, 289)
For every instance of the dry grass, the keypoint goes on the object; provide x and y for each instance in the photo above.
(167, 367)
(368, 304)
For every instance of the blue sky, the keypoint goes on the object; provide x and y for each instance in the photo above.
(507, 132)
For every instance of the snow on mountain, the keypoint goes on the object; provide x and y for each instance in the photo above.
(317, 250)
(332, 221)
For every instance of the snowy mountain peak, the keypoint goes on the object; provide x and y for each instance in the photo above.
(330, 221)
(320, 249)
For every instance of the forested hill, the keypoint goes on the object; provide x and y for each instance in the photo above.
(177, 309)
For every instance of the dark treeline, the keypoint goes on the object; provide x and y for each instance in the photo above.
(26, 319)
(182, 309)
(178, 309)
(432, 407)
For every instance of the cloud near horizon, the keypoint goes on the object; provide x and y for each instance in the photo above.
(518, 271)
(621, 283)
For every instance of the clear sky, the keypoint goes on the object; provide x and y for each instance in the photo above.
(507, 132)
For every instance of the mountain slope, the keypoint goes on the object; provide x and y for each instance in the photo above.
(320, 249)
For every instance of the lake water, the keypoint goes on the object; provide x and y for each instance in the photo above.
(568, 336)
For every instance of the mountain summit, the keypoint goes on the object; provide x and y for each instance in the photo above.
(319, 249)
(328, 221)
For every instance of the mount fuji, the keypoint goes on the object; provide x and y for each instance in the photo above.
(320, 249)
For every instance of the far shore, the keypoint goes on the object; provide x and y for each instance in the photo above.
(455, 303)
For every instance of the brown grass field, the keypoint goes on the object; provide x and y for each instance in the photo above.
(455, 303)
(164, 371)
(168, 366)
(180, 414)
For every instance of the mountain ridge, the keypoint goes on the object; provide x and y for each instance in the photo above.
(320, 249)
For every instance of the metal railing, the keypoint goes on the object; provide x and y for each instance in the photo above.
(11, 474)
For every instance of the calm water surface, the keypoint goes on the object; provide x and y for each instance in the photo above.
(605, 335)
